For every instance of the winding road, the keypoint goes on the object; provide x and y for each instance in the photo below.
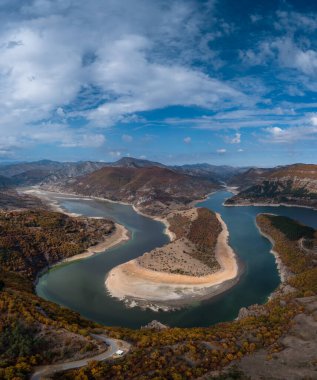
(114, 345)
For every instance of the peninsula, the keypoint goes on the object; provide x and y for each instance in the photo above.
(198, 263)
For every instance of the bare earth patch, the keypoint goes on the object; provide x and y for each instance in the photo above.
(175, 258)
(298, 359)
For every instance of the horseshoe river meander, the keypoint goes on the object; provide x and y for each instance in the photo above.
(79, 285)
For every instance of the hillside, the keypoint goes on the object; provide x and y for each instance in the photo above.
(32, 330)
(10, 170)
(33, 240)
(150, 188)
(46, 171)
(248, 178)
(5, 182)
(10, 199)
(293, 184)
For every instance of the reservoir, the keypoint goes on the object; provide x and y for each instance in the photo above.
(80, 285)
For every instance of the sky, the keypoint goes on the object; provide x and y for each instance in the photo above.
(176, 81)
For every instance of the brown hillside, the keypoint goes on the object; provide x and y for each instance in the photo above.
(142, 186)
(293, 184)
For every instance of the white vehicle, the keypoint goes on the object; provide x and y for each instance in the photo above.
(119, 352)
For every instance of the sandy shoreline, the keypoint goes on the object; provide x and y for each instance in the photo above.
(167, 231)
(267, 205)
(131, 281)
(118, 236)
(41, 193)
(283, 271)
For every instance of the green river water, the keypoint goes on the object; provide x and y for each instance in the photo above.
(80, 285)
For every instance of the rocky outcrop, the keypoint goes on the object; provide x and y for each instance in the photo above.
(297, 359)
(252, 311)
(155, 325)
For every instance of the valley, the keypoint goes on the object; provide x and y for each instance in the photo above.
(216, 267)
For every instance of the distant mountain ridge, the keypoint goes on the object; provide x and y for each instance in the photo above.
(130, 162)
(32, 173)
(50, 172)
(283, 184)
(221, 173)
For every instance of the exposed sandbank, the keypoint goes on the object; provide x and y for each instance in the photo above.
(131, 281)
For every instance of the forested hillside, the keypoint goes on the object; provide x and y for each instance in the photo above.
(33, 240)
(32, 330)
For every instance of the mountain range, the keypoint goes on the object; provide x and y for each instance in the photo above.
(46, 171)
(143, 182)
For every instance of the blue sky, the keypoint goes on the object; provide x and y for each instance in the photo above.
(218, 81)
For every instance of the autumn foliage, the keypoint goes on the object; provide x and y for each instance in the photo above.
(29, 325)
(33, 240)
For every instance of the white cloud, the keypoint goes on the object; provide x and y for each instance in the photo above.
(240, 150)
(54, 133)
(143, 85)
(127, 138)
(221, 151)
(292, 56)
(85, 141)
(291, 22)
(293, 134)
(255, 18)
(115, 153)
(241, 118)
(284, 51)
(52, 51)
(187, 140)
(60, 112)
(236, 139)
